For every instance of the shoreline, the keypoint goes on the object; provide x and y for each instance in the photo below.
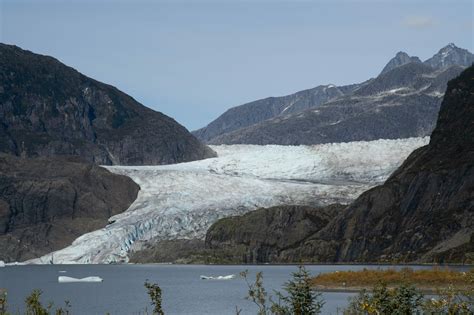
(12, 264)
(339, 289)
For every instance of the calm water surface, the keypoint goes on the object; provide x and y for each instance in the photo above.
(122, 291)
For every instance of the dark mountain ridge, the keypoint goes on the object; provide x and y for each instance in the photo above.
(374, 109)
(401, 103)
(49, 109)
(252, 113)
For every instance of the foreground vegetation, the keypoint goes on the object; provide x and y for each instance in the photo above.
(383, 292)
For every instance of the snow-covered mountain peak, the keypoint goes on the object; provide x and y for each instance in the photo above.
(451, 55)
(450, 49)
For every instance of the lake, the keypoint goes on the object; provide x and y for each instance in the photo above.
(122, 291)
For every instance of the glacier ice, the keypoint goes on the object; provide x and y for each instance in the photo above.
(183, 200)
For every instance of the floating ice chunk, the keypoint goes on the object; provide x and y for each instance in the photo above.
(64, 279)
(228, 277)
(62, 271)
(2, 264)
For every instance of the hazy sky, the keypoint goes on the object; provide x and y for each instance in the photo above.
(192, 60)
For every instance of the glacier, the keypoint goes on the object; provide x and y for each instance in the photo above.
(183, 200)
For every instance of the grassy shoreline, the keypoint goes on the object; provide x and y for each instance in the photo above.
(427, 281)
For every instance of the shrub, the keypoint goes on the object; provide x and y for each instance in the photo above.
(452, 300)
(300, 298)
(154, 292)
(3, 302)
(401, 300)
(34, 306)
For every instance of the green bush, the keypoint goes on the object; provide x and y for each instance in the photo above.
(154, 292)
(300, 298)
(407, 300)
(34, 306)
(402, 300)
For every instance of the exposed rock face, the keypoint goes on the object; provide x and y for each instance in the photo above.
(403, 101)
(423, 212)
(451, 55)
(172, 251)
(400, 59)
(49, 109)
(45, 203)
(278, 234)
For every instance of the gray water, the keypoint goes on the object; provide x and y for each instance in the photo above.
(122, 291)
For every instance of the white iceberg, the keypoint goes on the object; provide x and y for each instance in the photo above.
(228, 277)
(2, 264)
(64, 279)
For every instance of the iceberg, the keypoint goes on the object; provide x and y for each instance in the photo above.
(228, 277)
(64, 279)
(2, 264)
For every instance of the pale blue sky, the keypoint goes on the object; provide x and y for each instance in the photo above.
(192, 60)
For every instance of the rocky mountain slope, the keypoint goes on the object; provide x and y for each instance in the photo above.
(403, 101)
(255, 112)
(49, 109)
(423, 212)
(45, 203)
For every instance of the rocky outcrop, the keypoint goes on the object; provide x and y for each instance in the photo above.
(423, 212)
(277, 235)
(49, 109)
(45, 203)
(177, 251)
